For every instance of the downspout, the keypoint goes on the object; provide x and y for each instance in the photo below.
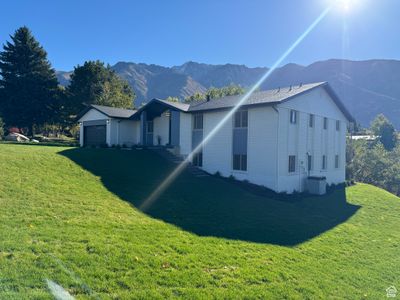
(277, 149)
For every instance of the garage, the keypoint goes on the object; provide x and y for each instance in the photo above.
(95, 135)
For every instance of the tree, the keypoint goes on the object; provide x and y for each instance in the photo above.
(382, 127)
(28, 83)
(95, 83)
(172, 99)
(215, 93)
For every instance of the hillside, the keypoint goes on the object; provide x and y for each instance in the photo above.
(366, 87)
(70, 216)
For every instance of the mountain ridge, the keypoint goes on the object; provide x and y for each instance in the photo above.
(367, 87)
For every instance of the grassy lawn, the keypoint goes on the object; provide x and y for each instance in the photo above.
(70, 215)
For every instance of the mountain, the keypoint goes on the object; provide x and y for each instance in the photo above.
(366, 87)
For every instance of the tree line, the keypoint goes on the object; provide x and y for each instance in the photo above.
(31, 97)
(376, 161)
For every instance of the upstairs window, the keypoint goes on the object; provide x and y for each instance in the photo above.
(311, 121)
(198, 122)
(241, 119)
(337, 125)
(325, 123)
(293, 117)
(292, 164)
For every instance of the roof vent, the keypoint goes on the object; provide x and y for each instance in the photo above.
(279, 89)
(208, 97)
(290, 88)
(301, 84)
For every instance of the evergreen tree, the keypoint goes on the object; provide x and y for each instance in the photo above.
(28, 82)
(382, 127)
(94, 83)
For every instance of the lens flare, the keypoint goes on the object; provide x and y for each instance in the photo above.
(178, 170)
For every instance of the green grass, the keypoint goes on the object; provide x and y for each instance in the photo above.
(70, 215)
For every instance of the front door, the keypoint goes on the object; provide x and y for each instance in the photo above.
(149, 133)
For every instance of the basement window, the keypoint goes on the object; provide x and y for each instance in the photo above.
(292, 163)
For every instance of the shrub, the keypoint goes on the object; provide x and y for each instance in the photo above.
(1, 128)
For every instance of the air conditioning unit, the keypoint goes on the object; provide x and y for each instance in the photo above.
(316, 185)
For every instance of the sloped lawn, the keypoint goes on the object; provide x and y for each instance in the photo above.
(70, 216)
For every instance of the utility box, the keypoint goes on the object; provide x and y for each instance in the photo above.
(316, 185)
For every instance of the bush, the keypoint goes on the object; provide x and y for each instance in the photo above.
(1, 128)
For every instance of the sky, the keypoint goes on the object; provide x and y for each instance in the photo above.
(250, 32)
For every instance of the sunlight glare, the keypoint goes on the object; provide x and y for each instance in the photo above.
(175, 173)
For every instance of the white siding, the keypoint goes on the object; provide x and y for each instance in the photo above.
(298, 139)
(161, 129)
(118, 132)
(185, 132)
(128, 133)
(261, 148)
(93, 115)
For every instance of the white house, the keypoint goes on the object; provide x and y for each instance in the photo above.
(278, 138)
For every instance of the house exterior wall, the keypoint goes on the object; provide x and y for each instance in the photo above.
(185, 134)
(92, 115)
(118, 132)
(128, 132)
(299, 139)
(161, 129)
(261, 146)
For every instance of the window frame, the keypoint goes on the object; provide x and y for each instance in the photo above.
(337, 161)
(242, 116)
(310, 163)
(325, 125)
(311, 121)
(240, 164)
(292, 164)
(337, 125)
(324, 165)
(198, 118)
(293, 116)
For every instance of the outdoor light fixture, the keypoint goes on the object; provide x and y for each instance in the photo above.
(108, 121)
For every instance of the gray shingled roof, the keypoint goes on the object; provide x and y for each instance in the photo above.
(114, 112)
(262, 97)
(258, 98)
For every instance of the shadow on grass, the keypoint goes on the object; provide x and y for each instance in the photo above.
(210, 206)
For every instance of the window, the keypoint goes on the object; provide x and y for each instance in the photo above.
(337, 125)
(241, 119)
(337, 161)
(240, 162)
(325, 123)
(292, 163)
(324, 162)
(309, 162)
(311, 121)
(150, 126)
(293, 117)
(198, 121)
(239, 141)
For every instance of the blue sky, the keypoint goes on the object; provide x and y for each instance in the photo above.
(251, 32)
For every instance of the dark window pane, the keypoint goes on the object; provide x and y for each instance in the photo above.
(325, 123)
(244, 118)
(236, 162)
(237, 119)
(337, 125)
(311, 121)
(244, 163)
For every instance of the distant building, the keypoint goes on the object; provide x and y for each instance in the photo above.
(276, 139)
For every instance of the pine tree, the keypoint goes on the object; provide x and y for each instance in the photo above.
(28, 82)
